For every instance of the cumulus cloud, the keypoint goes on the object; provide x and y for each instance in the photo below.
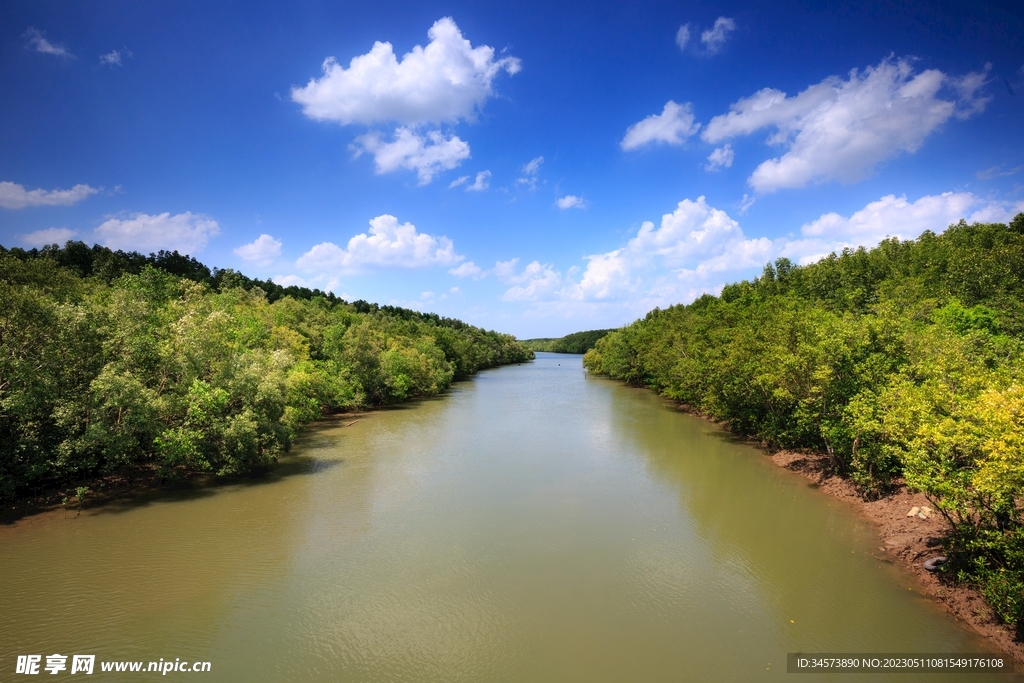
(672, 127)
(291, 281)
(262, 251)
(720, 158)
(186, 232)
(714, 38)
(458, 181)
(482, 182)
(698, 248)
(571, 201)
(505, 269)
(447, 80)
(388, 244)
(530, 170)
(537, 281)
(15, 196)
(426, 154)
(40, 238)
(893, 216)
(841, 129)
(112, 58)
(37, 41)
(659, 264)
(683, 36)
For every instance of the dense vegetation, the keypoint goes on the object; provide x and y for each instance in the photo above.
(577, 342)
(113, 361)
(905, 362)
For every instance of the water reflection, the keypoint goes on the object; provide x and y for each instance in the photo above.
(532, 525)
(792, 555)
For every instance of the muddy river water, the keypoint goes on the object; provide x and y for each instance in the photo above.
(534, 524)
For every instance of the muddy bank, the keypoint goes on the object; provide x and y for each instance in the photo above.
(910, 540)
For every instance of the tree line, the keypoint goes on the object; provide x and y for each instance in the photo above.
(114, 361)
(577, 342)
(903, 363)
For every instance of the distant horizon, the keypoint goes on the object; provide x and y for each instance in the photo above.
(538, 170)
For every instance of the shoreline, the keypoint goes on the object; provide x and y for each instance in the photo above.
(910, 541)
(906, 540)
(128, 487)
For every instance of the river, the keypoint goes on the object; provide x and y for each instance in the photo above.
(533, 524)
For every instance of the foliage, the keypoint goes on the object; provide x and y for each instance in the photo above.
(540, 343)
(577, 342)
(902, 362)
(112, 361)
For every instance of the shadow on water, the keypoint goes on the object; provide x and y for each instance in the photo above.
(315, 436)
(180, 492)
(191, 489)
(792, 549)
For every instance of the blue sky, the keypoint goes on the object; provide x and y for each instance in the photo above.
(537, 168)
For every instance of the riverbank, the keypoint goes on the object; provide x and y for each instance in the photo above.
(910, 540)
(127, 488)
(906, 539)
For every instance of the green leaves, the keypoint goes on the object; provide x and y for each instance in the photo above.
(902, 362)
(111, 362)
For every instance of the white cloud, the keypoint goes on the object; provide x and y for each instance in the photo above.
(447, 80)
(427, 155)
(672, 126)
(468, 269)
(15, 196)
(693, 233)
(966, 88)
(262, 251)
(112, 58)
(661, 265)
(40, 238)
(746, 203)
(533, 166)
(714, 38)
(389, 244)
(538, 280)
(38, 42)
(186, 232)
(324, 282)
(720, 158)
(458, 181)
(505, 269)
(683, 36)
(482, 182)
(697, 248)
(530, 171)
(841, 129)
(893, 216)
(291, 281)
(571, 201)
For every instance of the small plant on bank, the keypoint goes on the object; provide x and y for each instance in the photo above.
(80, 493)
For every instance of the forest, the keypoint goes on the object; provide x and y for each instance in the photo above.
(577, 342)
(113, 362)
(903, 363)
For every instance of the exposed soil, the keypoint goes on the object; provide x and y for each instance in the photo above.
(911, 540)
